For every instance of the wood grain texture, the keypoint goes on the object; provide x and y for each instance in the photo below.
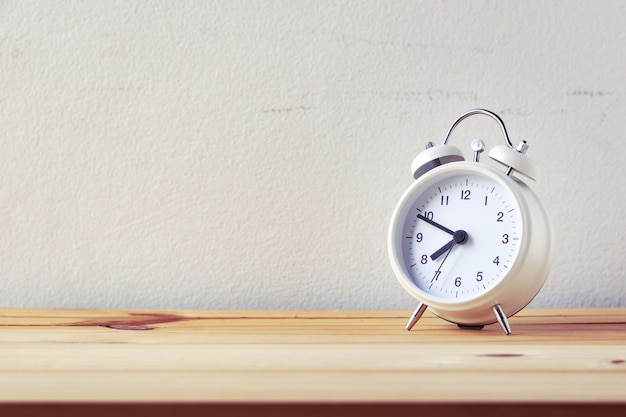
(574, 356)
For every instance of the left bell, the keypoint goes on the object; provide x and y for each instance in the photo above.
(433, 157)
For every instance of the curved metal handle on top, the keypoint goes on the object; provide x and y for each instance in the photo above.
(486, 113)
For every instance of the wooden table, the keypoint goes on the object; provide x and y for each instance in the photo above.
(300, 363)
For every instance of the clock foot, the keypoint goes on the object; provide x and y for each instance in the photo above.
(421, 308)
(504, 323)
(470, 327)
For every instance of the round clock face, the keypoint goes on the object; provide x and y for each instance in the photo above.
(461, 232)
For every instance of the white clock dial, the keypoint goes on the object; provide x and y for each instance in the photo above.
(461, 234)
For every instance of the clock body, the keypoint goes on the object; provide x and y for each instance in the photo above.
(466, 237)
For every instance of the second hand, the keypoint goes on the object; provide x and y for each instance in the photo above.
(438, 271)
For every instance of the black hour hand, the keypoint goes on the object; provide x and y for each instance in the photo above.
(442, 250)
(459, 237)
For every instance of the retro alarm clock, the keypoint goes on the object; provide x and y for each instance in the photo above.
(471, 242)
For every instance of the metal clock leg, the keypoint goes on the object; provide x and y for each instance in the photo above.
(497, 310)
(416, 315)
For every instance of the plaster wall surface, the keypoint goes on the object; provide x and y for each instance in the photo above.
(248, 154)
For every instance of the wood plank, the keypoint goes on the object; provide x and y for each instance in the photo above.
(535, 326)
(312, 387)
(266, 409)
(293, 357)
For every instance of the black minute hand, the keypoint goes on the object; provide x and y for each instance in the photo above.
(437, 225)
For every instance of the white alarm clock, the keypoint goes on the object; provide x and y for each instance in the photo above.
(470, 242)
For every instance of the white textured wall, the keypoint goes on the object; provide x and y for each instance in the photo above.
(248, 154)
